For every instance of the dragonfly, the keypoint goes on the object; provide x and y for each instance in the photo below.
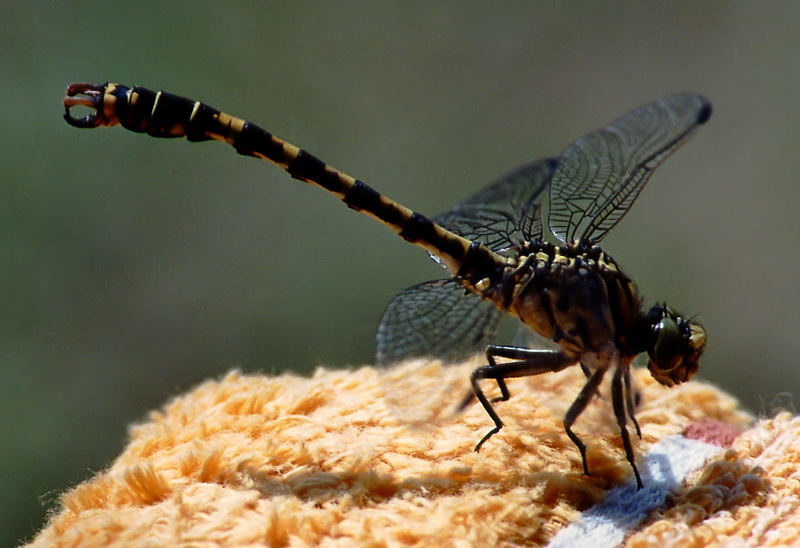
(493, 244)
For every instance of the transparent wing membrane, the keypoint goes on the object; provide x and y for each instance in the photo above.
(507, 211)
(600, 175)
(435, 319)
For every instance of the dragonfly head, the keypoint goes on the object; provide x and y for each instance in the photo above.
(677, 345)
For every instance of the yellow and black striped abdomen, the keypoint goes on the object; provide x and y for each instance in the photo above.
(162, 114)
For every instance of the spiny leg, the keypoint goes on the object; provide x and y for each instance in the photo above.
(577, 408)
(629, 403)
(528, 362)
(492, 352)
(587, 372)
(617, 400)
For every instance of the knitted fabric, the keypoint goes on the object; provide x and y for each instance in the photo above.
(378, 458)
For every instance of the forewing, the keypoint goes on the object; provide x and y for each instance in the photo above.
(507, 211)
(600, 175)
(435, 319)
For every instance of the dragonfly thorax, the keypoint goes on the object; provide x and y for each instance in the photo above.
(578, 296)
(575, 295)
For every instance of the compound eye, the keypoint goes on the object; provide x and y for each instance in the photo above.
(669, 348)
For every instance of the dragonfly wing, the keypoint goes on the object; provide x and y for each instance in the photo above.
(435, 319)
(507, 211)
(600, 175)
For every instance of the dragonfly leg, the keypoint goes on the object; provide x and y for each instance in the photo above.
(587, 371)
(577, 407)
(618, 402)
(492, 353)
(519, 353)
(629, 402)
(527, 362)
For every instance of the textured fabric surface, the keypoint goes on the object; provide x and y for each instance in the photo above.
(377, 458)
(625, 508)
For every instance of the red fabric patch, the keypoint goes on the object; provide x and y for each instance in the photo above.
(714, 432)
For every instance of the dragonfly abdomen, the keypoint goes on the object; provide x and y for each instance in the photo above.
(161, 114)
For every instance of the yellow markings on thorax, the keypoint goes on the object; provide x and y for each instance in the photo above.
(561, 260)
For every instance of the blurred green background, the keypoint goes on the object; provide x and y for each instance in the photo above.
(134, 268)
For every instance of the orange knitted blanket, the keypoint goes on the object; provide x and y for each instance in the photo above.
(371, 458)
